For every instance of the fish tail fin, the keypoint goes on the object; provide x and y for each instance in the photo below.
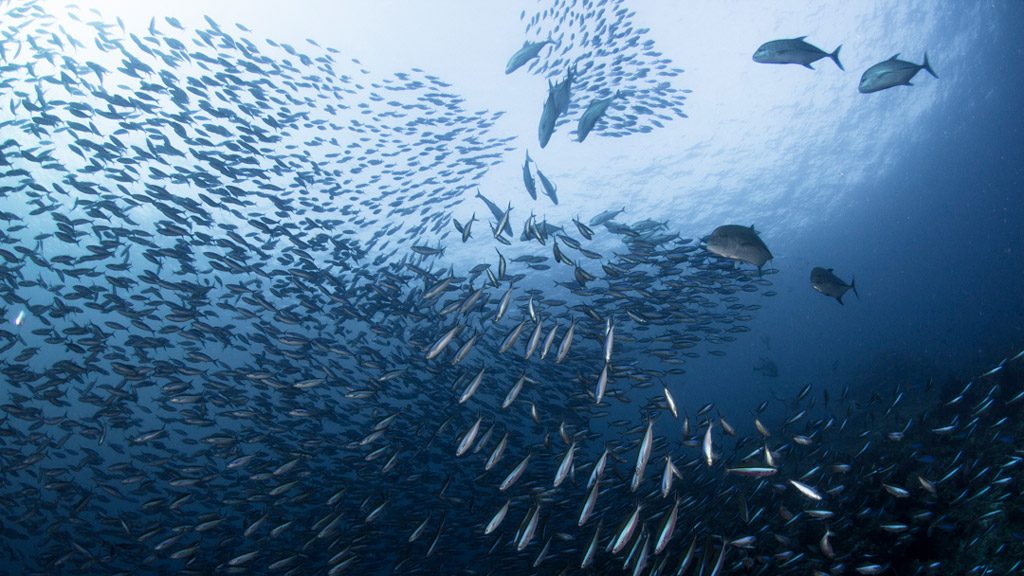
(928, 66)
(853, 286)
(835, 57)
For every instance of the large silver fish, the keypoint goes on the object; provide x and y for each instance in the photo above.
(892, 72)
(794, 51)
(824, 281)
(739, 243)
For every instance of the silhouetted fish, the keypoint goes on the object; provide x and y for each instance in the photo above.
(824, 281)
(739, 243)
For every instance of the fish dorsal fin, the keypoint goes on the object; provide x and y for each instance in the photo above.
(800, 38)
(895, 56)
(829, 269)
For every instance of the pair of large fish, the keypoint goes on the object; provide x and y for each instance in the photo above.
(531, 185)
(885, 74)
(557, 103)
(742, 243)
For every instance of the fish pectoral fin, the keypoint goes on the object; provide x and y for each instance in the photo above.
(808, 66)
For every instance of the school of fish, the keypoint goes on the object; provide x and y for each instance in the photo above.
(234, 345)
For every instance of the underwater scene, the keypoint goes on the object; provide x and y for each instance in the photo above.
(523, 287)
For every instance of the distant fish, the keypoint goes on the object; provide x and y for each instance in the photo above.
(562, 91)
(499, 214)
(592, 114)
(546, 229)
(427, 250)
(548, 118)
(824, 281)
(503, 224)
(466, 230)
(584, 230)
(606, 216)
(528, 52)
(891, 72)
(739, 243)
(794, 51)
(549, 188)
(531, 185)
(767, 367)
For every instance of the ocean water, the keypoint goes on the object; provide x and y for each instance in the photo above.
(346, 288)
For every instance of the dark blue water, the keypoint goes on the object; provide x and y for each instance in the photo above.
(934, 244)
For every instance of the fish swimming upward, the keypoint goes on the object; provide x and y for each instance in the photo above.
(547, 118)
(592, 114)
